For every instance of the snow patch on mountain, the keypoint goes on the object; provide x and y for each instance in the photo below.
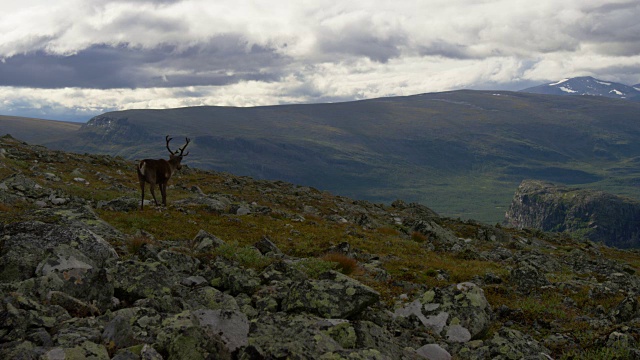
(559, 82)
(586, 85)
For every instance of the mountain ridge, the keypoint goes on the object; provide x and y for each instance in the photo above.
(587, 85)
(463, 152)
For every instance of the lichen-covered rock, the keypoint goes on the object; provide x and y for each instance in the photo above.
(301, 336)
(372, 336)
(231, 326)
(182, 337)
(334, 295)
(206, 242)
(506, 344)
(527, 278)
(19, 185)
(228, 276)
(131, 326)
(627, 309)
(75, 307)
(177, 261)
(282, 272)
(28, 243)
(78, 275)
(211, 298)
(87, 350)
(459, 312)
(134, 280)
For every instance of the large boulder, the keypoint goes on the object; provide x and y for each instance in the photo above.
(458, 313)
(203, 334)
(27, 244)
(334, 295)
(148, 281)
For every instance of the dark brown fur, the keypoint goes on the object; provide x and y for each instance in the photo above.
(159, 172)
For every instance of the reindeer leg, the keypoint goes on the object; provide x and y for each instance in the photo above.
(153, 192)
(163, 191)
(142, 188)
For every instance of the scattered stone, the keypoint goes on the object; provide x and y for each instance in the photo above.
(433, 352)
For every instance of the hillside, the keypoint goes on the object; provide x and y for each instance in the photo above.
(463, 152)
(36, 131)
(255, 269)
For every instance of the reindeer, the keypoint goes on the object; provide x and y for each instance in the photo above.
(159, 171)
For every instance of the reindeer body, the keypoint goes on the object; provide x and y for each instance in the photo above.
(159, 171)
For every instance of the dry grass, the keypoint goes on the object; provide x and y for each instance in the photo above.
(134, 243)
(346, 265)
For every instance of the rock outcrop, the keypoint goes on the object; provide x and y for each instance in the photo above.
(590, 214)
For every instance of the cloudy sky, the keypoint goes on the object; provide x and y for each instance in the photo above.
(73, 59)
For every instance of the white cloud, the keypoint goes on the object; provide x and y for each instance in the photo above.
(180, 53)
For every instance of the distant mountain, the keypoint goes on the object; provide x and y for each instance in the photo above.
(587, 85)
(462, 153)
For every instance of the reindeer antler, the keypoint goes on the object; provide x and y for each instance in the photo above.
(184, 147)
(180, 150)
(168, 139)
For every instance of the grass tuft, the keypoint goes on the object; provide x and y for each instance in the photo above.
(136, 242)
(345, 264)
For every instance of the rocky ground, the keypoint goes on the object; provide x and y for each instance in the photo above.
(241, 269)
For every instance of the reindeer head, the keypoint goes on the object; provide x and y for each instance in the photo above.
(176, 156)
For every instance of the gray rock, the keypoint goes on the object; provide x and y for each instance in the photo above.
(299, 336)
(132, 326)
(178, 262)
(237, 280)
(433, 352)
(181, 337)
(194, 281)
(232, 326)
(134, 280)
(29, 243)
(334, 295)
(458, 333)
(59, 201)
(206, 242)
(463, 305)
(266, 246)
(527, 278)
(124, 204)
(627, 309)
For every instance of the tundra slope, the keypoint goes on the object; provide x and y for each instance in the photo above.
(232, 270)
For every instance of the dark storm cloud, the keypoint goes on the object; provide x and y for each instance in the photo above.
(221, 61)
(611, 28)
(360, 39)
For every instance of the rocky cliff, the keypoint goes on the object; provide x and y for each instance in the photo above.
(594, 215)
(236, 268)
